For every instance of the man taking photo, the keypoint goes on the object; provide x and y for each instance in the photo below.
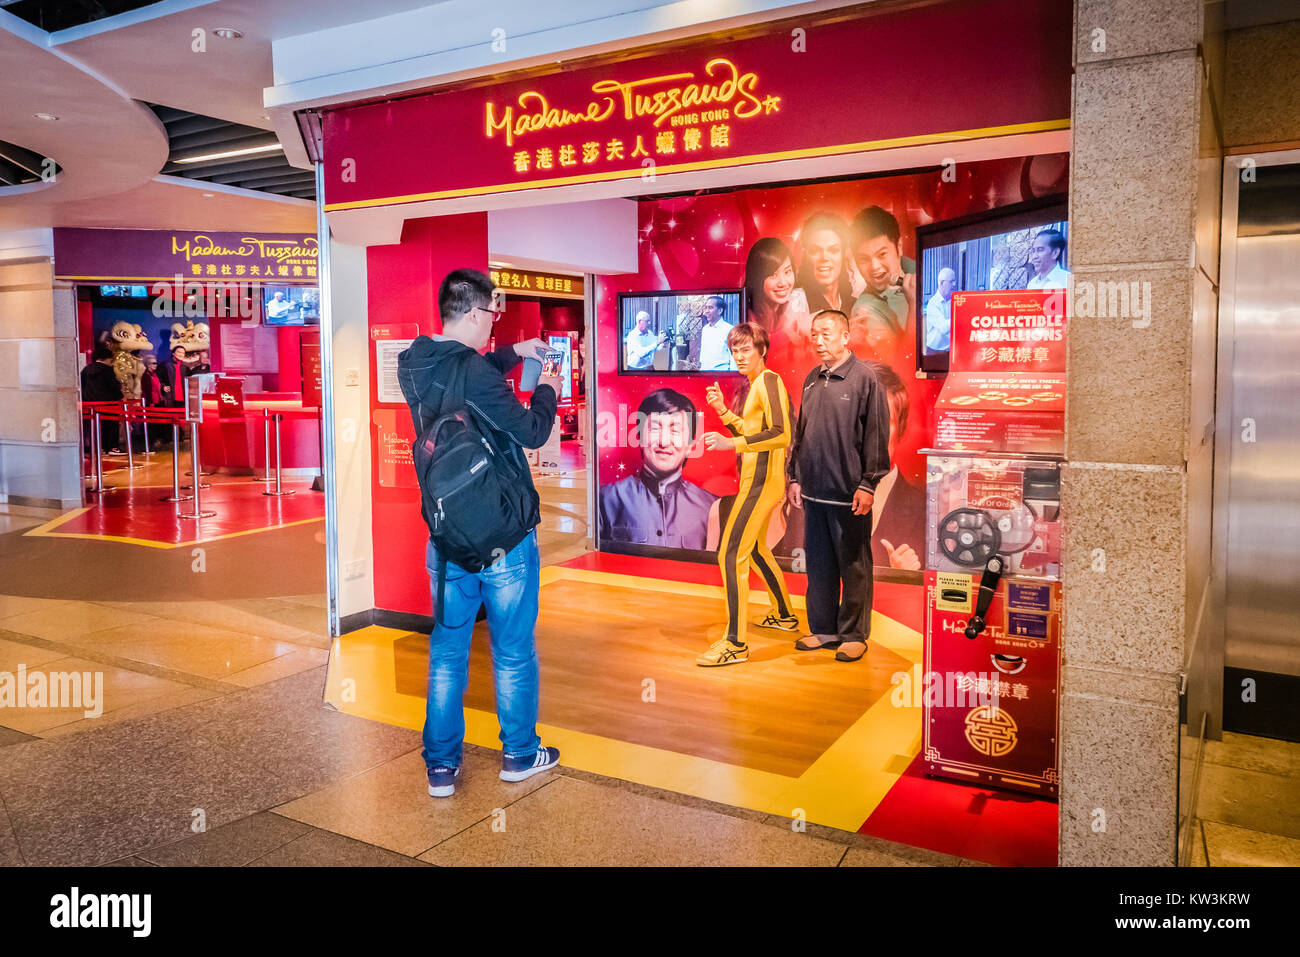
(509, 585)
(839, 454)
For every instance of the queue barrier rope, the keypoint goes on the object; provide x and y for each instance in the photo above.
(98, 412)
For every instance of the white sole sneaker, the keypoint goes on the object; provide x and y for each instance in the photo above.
(444, 790)
(529, 772)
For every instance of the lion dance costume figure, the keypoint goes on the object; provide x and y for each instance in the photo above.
(126, 341)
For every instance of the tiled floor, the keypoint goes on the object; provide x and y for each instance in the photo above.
(214, 746)
(1248, 805)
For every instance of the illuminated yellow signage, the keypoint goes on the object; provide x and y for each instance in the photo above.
(699, 110)
(537, 284)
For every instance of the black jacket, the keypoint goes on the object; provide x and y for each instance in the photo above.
(99, 383)
(841, 439)
(424, 369)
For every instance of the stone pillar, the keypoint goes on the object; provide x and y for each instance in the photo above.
(40, 438)
(1135, 487)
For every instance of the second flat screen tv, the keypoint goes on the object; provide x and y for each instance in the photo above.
(1015, 247)
(678, 332)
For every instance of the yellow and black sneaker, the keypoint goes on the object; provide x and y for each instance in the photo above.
(723, 652)
(773, 620)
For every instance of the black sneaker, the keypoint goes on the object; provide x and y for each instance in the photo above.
(773, 620)
(518, 769)
(442, 782)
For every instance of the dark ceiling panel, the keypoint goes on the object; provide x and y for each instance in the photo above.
(192, 135)
(52, 15)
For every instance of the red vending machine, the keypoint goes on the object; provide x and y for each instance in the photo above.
(993, 573)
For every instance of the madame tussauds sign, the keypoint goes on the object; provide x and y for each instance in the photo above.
(721, 85)
(828, 84)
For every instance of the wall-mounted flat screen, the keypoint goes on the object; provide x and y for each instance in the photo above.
(678, 332)
(1016, 247)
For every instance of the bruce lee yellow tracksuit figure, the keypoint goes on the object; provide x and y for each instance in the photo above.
(760, 436)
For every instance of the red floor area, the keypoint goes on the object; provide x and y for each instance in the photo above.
(997, 827)
(138, 514)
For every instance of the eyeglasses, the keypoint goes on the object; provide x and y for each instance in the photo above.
(495, 313)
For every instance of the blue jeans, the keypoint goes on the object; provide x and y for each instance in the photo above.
(508, 588)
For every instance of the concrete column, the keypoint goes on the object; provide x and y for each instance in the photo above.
(40, 441)
(1135, 487)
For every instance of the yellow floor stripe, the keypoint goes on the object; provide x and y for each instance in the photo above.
(43, 531)
(841, 788)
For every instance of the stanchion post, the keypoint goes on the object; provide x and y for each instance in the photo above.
(266, 444)
(176, 495)
(97, 448)
(278, 490)
(198, 480)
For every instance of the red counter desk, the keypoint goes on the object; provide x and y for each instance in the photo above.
(238, 444)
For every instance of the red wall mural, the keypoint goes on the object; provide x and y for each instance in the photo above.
(702, 242)
(403, 296)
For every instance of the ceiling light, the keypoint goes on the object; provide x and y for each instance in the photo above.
(45, 116)
(208, 195)
(225, 153)
(227, 33)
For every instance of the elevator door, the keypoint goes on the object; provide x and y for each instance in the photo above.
(1262, 573)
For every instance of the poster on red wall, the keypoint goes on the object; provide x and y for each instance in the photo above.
(848, 245)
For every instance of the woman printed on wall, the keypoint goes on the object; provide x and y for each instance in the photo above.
(823, 281)
(769, 287)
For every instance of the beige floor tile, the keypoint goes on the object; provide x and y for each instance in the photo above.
(300, 659)
(324, 849)
(1251, 799)
(11, 605)
(311, 601)
(231, 616)
(69, 620)
(189, 648)
(389, 806)
(570, 822)
(1250, 753)
(137, 708)
(121, 688)
(285, 613)
(1241, 847)
(15, 653)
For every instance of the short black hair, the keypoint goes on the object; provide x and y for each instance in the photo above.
(872, 222)
(100, 352)
(461, 291)
(831, 314)
(1055, 242)
(722, 304)
(667, 401)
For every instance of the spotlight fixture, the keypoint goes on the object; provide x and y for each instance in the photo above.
(227, 33)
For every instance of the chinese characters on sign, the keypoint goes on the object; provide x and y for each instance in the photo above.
(537, 284)
(698, 111)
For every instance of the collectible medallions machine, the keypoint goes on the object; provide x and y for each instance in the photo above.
(993, 573)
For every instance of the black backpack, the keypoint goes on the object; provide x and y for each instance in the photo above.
(476, 499)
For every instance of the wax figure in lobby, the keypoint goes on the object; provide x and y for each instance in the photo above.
(760, 432)
(838, 456)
